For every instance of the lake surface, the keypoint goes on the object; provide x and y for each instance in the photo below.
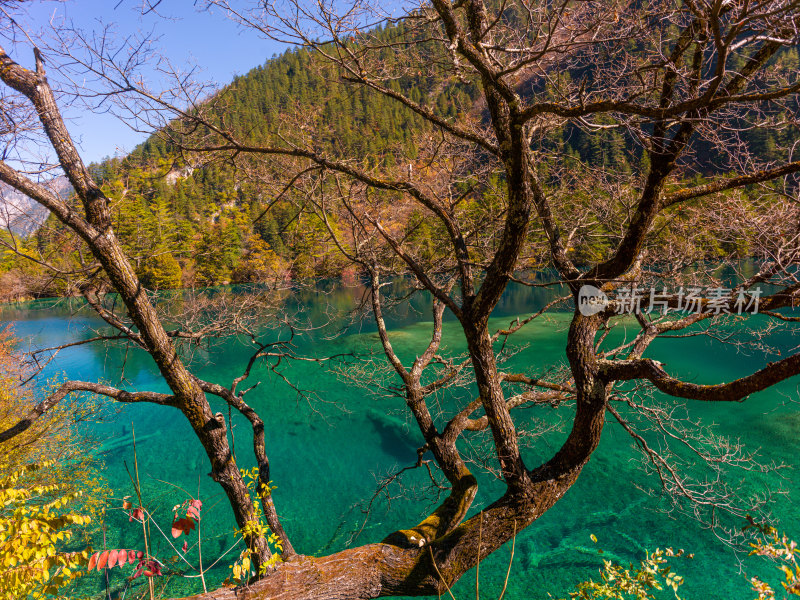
(328, 449)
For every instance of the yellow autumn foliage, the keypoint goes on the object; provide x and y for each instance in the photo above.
(48, 489)
(31, 532)
(260, 263)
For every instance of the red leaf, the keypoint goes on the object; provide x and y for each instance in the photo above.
(92, 561)
(155, 567)
(112, 558)
(101, 560)
(185, 546)
(180, 526)
(126, 504)
(139, 555)
(194, 509)
(149, 569)
(122, 557)
(131, 556)
(137, 513)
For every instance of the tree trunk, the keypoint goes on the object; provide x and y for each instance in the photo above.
(591, 394)
(96, 231)
(384, 569)
(484, 365)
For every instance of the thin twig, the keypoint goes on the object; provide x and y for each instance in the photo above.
(439, 574)
(478, 564)
(145, 522)
(510, 560)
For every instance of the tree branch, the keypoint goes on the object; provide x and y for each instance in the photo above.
(735, 391)
(729, 184)
(82, 386)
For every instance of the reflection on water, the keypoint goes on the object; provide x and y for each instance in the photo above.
(328, 449)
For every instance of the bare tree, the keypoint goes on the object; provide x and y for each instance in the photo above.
(676, 78)
(91, 221)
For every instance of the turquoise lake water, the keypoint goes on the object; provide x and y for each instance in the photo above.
(327, 451)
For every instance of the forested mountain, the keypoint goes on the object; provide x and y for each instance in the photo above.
(189, 221)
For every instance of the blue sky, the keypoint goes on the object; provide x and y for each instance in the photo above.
(211, 41)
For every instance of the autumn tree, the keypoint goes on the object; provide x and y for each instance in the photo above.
(683, 88)
(49, 488)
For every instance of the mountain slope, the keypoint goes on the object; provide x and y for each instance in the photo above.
(21, 215)
(203, 224)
